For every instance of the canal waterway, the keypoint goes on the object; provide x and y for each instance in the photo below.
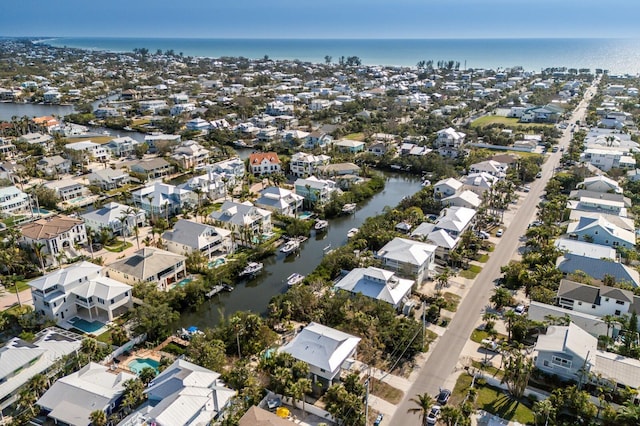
(254, 295)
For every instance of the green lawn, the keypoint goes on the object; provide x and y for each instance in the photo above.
(471, 273)
(452, 301)
(482, 258)
(507, 121)
(118, 247)
(355, 136)
(497, 402)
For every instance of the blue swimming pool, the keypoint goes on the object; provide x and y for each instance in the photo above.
(137, 365)
(185, 281)
(215, 263)
(86, 326)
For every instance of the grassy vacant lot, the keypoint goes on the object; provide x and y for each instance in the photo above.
(355, 136)
(385, 391)
(482, 258)
(452, 301)
(493, 401)
(507, 121)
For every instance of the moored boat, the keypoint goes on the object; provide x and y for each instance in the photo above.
(321, 225)
(290, 246)
(294, 279)
(352, 232)
(252, 268)
(349, 208)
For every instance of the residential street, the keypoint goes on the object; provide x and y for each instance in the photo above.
(445, 355)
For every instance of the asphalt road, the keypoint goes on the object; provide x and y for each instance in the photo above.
(442, 361)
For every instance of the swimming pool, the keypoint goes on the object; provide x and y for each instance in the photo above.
(215, 263)
(86, 326)
(185, 281)
(137, 365)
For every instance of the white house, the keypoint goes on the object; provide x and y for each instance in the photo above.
(326, 350)
(315, 190)
(408, 257)
(59, 235)
(14, 201)
(109, 178)
(600, 183)
(80, 290)
(264, 163)
(71, 399)
(378, 284)
(446, 187)
(162, 199)
(51, 166)
(66, 189)
(491, 167)
(303, 164)
(188, 237)
(183, 394)
(190, 154)
(478, 183)
(93, 150)
(597, 301)
(449, 142)
(212, 185)
(280, 200)
(465, 198)
(116, 218)
(565, 351)
(20, 360)
(248, 223)
(606, 160)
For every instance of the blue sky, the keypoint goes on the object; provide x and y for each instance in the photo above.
(321, 18)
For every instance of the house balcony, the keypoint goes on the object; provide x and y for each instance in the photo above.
(84, 303)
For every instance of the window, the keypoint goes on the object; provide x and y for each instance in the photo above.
(619, 302)
(560, 362)
(593, 306)
(606, 299)
(617, 313)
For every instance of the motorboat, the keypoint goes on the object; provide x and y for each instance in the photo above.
(352, 232)
(321, 225)
(240, 143)
(252, 268)
(294, 279)
(290, 246)
(349, 208)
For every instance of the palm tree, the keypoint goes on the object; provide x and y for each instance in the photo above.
(98, 418)
(299, 389)
(424, 403)
(149, 199)
(124, 219)
(37, 250)
(451, 415)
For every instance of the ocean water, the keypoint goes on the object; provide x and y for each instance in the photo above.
(619, 56)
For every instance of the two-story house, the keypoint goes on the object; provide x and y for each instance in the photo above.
(80, 290)
(190, 154)
(280, 200)
(163, 200)
(153, 169)
(378, 284)
(449, 142)
(149, 265)
(248, 223)
(58, 234)
(66, 189)
(317, 139)
(264, 163)
(122, 147)
(314, 190)
(188, 237)
(54, 165)
(408, 258)
(14, 201)
(91, 150)
(117, 218)
(108, 178)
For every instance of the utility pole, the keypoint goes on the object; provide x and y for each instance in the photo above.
(366, 398)
(424, 321)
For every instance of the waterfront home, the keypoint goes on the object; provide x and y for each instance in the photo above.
(446, 188)
(449, 142)
(325, 349)
(233, 168)
(163, 200)
(183, 394)
(314, 190)
(601, 184)
(107, 179)
(7, 149)
(339, 169)
(455, 220)
(54, 165)
(303, 164)
(197, 125)
(212, 185)
(264, 163)
(117, 218)
(408, 258)
(190, 154)
(21, 360)
(149, 265)
(80, 290)
(90, 150)
(59, 234)
(13, 201)
(122, 147)
(152, 106)
(280, 200)
(188, 237)
(379, 148)
(66, 189)
(249, 224)
(159, 140)
(153, 169)
(72, 399)
(378, 284)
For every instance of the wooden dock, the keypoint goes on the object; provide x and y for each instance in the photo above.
(218, 289)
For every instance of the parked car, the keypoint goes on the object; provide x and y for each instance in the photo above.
(490, 345)
(484, 235)
(378, 420)
(499, 232)
(526, 188)
(443, 396)
(519, 310)
(433, 415)
(539, 175)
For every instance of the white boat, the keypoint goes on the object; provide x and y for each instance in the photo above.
(290, 246)
(321, 225)
(349, 208)
(240, 143)
(294, 279)
(252, 268)
(352, 232)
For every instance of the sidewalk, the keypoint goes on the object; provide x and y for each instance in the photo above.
(8, 299)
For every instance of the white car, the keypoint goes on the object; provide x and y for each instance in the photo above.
(433, 415)
(519, 310)
(499, 232)
(490, 345)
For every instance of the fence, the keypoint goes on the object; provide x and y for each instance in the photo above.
(124, 348)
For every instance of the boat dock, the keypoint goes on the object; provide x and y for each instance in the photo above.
(217, 289)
